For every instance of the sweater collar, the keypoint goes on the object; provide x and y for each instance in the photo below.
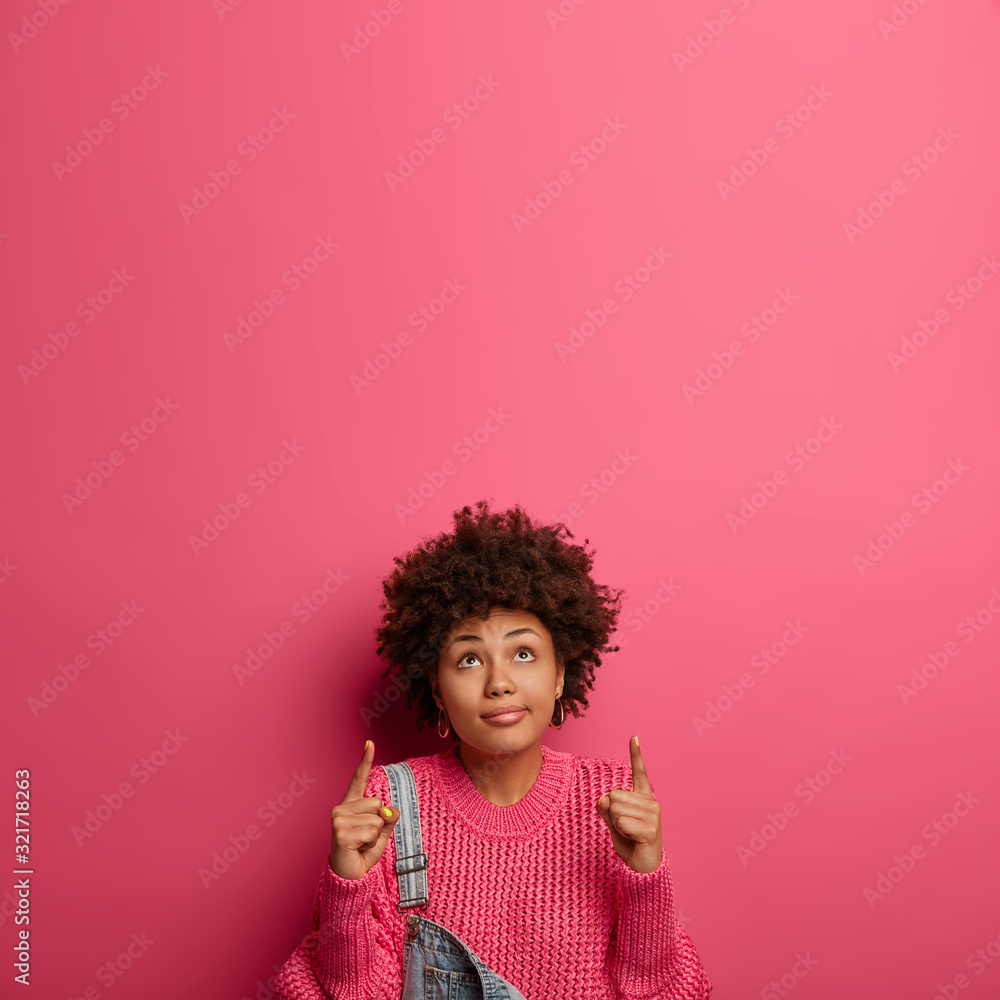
(523, 818)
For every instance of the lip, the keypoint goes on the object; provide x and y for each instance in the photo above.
(505, 714)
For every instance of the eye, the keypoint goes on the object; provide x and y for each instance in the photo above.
(464, 664)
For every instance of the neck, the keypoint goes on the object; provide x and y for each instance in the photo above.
(505, 777)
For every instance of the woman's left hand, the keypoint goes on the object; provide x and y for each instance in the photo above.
(633, 818)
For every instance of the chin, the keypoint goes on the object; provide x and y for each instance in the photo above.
(508, 738)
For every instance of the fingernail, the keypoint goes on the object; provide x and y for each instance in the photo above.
(366, 744)
(636, 738)
(388, 813)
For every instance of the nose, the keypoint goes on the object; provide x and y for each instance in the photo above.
(499, 681)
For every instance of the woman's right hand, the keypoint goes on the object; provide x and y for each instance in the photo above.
(361, 825)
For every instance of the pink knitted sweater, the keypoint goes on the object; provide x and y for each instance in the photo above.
(535, 889)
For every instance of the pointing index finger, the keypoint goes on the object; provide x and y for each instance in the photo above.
(640, 779)
(359, 780)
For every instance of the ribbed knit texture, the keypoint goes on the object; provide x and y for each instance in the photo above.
(535, 889)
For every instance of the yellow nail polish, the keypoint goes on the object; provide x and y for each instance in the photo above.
(636, 738)
(366, 744)
(388, 813)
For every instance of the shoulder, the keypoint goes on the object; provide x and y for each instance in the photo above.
(422, 767)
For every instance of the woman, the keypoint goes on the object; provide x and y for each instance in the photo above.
(547, 866)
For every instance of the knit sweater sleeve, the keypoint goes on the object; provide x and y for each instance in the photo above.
(654, 957)
(350, 952)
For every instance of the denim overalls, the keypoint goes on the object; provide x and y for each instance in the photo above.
(437, 965)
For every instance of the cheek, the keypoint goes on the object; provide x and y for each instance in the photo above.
(543, 686)
(458, 690)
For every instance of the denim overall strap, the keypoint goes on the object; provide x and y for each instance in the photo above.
(411, 862)
(437, 963)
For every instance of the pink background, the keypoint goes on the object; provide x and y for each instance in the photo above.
(337, 501)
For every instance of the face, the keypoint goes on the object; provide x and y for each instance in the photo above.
(508, 659)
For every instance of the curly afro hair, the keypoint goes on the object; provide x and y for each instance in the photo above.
(490, 559)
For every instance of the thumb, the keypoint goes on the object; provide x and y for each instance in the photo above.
(604, 809)
(391, 816)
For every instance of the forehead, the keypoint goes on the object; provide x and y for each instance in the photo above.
(500, 621)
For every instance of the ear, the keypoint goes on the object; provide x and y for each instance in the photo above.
(560, 678)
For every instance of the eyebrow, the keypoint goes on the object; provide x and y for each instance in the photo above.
(476, 638)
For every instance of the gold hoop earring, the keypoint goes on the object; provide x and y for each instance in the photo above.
(562, 715)
(447, 727)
